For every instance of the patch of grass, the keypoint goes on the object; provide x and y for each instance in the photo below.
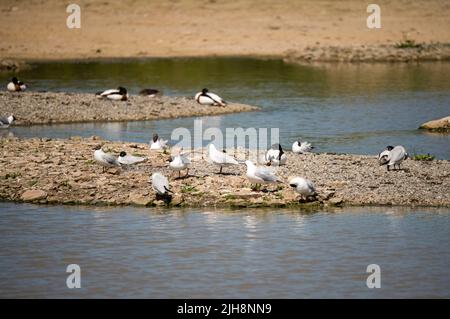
(230, 197)
(423, 157)
(256, 187)
(12, 175)
(279, 196)
(408, 44)
(89, 162)
(188, 189)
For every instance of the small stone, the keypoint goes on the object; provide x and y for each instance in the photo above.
(336, 200)
(33, 195)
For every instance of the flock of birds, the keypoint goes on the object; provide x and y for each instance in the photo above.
(256, 174)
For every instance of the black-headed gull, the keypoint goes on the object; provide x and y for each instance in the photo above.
(126, 159)
(158, 143)
(105, 159)
(5, 122)
(303, 186)
(260, 174)
(160, 184)
(275, 155)
(382, 157)
(396, 156)
(180, 162)
(300, 147)
(220, 158)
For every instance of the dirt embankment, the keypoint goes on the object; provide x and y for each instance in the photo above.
(63, 172)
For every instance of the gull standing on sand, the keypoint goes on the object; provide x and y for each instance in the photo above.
(300, 147)
(383, 156)
(220, 158)
(260, 174)
(396, 156)
(119, 94)
(5, 122)
(16, 86)
(105, 159)
(207, 98)
(275, 155)
(179, 163)
(126, 159)
(303, 186)
(160, 184)
(158, 143)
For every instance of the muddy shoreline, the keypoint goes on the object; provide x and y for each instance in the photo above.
(32, 108)
(62, 171)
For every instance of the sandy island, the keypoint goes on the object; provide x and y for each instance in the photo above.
(59, 171)
(299, 29)
(47, 108)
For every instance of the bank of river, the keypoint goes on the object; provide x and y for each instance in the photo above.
(46, 108)
(58, 171)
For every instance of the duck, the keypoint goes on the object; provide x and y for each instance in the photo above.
(207, 98)
(5, 122)
(396, 156)
(16, 86)
(150, 92)
(158, 143)
(220, 159)
(105, 159)
(260, 174)
(180, 162)
(300, 147)
(382, 157)
(119, 94)
(126, 159)
(275, 156)
(303, 186)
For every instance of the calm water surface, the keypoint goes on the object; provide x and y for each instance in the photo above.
(131, 252)
(341, 108)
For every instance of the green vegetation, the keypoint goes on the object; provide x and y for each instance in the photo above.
(423, 157)
(188, 189)
(12, 175)
(408, 44)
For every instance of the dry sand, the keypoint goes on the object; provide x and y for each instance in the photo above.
(140, 28)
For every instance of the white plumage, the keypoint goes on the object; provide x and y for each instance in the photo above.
(275, 155)
(207, 98)
(158, 143)
(15, 85)
(303, 186)
(105, 159)
(5, 122)
(220, 158)
(119, 94)
(260, 174)
(179, 163)
(301, 147)
(396, 156)
(160, 184)
(126, 159)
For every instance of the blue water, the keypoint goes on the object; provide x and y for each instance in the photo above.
(339, 108)
(132, 252)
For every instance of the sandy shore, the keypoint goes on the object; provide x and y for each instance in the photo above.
(141, 28)
(46, 108)
(64, 172)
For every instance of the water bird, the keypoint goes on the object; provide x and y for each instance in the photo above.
(300, 147)
(105, 159)
(180, 162)
(119, 94)
(220, 158)
(208, 98)
(150, 92)
(303, 186)
(382, 157)
(16, 86)
(160, 184)
(396, 156)
(260, 174)
(126, 159)
(275, 155)
(158, 143)
(5, 122)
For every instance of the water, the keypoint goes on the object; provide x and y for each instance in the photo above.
(339, 108)
(133, 252)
